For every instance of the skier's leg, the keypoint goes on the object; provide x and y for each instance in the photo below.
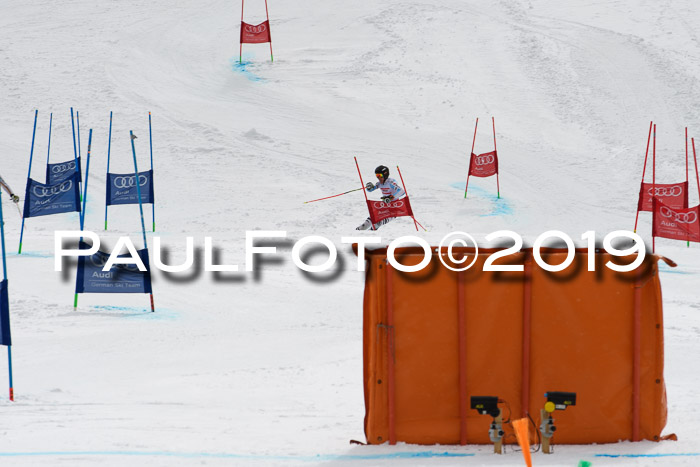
(365, 225)
(382, 222)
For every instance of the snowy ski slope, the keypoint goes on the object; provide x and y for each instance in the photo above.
(265, 369)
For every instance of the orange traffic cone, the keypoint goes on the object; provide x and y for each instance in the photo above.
(521, 427)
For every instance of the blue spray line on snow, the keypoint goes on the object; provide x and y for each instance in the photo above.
(669, 454)
(500, 207)
(133, 312)
(242, 68)
(666, 269)
(316, 458)
(31, 254)
(260, 457)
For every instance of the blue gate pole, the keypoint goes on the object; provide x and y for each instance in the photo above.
(109, 150)
(9, 368)
(82, 213)
(138, 191)
(4, 276)
(75, 153)
(150, 141)
(31, 155)
(77, 122)
(48, 152)
(72, 124)
(87, 175)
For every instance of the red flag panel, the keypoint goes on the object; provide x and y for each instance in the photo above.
(255, 34)
(483, 165)
(676, 223)
(378, 210)
(673, 195)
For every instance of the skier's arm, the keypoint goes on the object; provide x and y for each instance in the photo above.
(7, 188)
(370, 186)
(396, 191)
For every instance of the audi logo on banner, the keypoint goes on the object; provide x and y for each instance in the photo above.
(98, 260)
(63, 167)
(381, 204)
(484, 160)
(662, 191)
(680, 217)
(44, 191)
(255, 29)
(129, 181)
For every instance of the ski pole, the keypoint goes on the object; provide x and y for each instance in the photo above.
(327, 197)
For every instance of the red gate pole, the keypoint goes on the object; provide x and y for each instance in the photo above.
(646, 154)
(686, 174)
(697, 177)
(364, 192)
(470, 157)
(240, 51)
(653, 190)
(269, 31)
(498, 187)
(415, 222)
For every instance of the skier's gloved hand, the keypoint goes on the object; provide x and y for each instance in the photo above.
(14, 198)
(369, 186)
(387, 199)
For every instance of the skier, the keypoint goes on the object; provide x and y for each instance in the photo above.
(391, 191)
(13, 197)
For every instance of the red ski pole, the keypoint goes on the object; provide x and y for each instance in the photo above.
(328, 197)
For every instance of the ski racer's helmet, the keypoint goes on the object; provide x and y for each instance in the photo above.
(382, 171)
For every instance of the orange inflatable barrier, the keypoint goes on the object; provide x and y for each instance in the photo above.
(434, 338)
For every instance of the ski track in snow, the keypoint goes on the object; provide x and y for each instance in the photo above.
(266, 369)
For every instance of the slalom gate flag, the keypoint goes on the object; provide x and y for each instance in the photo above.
(255, 34)
(61, 171)
(121, 188)
(673, 195)
(5, 338)
(43, 199)
(483, 165)
(121, 278)
(378, 210)
(676, 223)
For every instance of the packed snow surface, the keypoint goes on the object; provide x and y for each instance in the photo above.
(265, 368)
